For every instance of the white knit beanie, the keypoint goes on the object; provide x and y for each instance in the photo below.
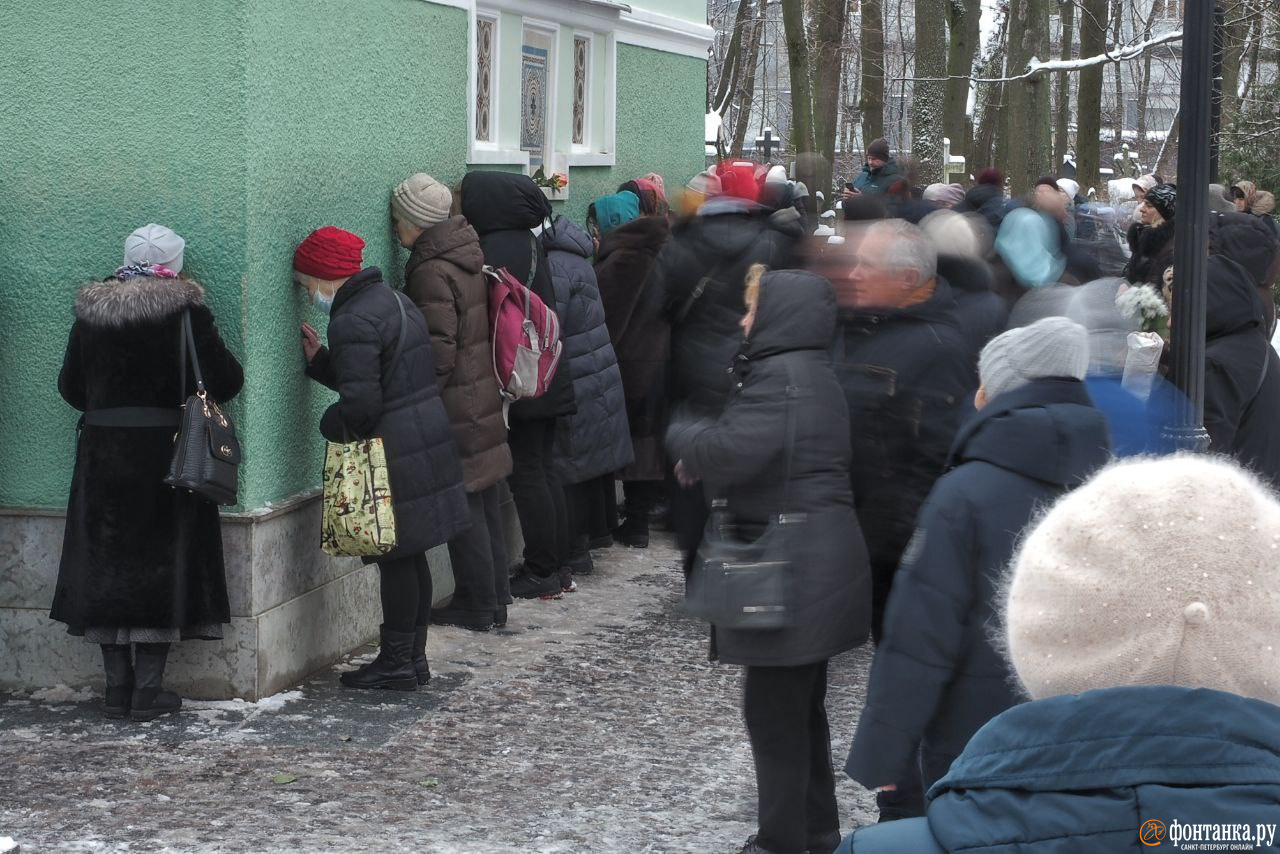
(421, 200)
(1158, 571)
(154, 244)
(1052, 347)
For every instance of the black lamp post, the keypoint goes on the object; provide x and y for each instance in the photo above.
(1191, 225)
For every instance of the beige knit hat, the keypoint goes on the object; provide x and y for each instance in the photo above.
(421, 200)
(1155, 572)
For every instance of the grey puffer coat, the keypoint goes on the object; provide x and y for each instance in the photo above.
(597, 440)
(398, 403)
(743, 457)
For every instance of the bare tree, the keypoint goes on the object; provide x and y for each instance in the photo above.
(929, 93)
(1061, 134)
(872, 103)
(1028, 112)
(964, 25)
(1093, 40)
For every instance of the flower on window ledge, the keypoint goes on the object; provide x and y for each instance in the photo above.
(557, 182)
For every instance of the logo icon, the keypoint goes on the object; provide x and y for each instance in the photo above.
(1152, 833)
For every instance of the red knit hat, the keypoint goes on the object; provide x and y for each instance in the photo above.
(329, 253)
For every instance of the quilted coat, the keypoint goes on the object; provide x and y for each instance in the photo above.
(597, 440)
(443, 278)
(397, 402)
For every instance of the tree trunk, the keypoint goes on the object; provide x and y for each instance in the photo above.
(1144, 87)
(1093, 41)
(929, 95)
(798, 64)
(990, 101)
(829, 23)
(1028, 103)
(747, 88)
(1240, 18)
(1062, 130)
(1167, 162)
(964, 21)
(872, 103)
(1117, 33)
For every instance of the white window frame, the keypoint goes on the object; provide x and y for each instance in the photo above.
(588, 103)
(490, 152)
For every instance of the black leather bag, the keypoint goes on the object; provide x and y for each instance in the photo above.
(206, 453)
(746, 584)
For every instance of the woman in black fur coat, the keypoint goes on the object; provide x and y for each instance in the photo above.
(1151, 239)
(141, 562)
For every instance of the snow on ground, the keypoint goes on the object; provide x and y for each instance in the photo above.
(590, 724)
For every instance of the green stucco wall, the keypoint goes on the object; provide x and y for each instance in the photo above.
(268, 120)
(102, 132)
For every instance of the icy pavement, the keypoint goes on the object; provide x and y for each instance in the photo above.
(590, 724)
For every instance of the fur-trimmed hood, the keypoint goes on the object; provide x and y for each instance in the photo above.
(139, 300)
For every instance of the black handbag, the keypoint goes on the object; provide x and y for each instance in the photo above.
(746, 584)
(206, 453)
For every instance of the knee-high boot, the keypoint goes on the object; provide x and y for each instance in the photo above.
(150, 701)
(117, 662)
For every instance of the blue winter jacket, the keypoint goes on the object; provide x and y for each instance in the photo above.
(596, 439)
(1083, 773)
(937, 677)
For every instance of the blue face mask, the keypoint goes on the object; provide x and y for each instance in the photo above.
(322, 301)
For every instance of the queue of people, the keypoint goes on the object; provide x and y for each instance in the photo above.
(899, 393)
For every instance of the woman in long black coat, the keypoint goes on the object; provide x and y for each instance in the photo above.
(398, 401)
(141, 562)
(625, 269)
(783, 384)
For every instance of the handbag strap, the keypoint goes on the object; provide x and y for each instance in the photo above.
(187, 346)
(404, 325)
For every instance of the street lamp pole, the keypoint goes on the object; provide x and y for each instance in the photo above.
(1191, 226)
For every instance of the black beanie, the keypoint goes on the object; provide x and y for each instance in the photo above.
(878, 149)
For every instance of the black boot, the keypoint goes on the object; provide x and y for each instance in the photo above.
(117, 661)
(634, 531)
(392, 669)
(149, 700)
(420, 665)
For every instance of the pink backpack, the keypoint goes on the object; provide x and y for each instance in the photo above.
(525, 335)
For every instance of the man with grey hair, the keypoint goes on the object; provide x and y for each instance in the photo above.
(908, 375)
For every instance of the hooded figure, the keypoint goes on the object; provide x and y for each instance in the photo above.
(1242, 372)
(504, 208)
(786, 414)
(595, 441)
(937, 676)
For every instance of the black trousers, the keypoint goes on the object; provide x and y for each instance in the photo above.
(539, 497)
(786, 715)
(479, 557)
(405, 585)
(688, 516)
(593, 509)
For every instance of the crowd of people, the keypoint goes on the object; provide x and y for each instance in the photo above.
(914, 374)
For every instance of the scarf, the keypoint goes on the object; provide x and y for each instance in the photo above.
(134, 271)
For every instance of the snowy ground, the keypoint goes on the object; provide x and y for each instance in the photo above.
(591, 724)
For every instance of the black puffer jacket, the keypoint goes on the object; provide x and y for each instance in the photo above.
(399, 403)
(702, 270)
(937, 675)
(629, 287)
(1152, 248)
(980, 312)
(909, 380)
(1251, 241)
(503, 207)
(597, 440)
(783, 374)
(137, 553)
(1241, 372)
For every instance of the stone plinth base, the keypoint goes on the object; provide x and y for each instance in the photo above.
(294, 610)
